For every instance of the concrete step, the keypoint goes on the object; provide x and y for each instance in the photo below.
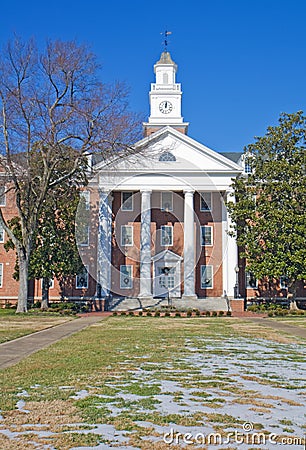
(135, 304)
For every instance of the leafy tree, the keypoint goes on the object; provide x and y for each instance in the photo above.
(50, 100)
(269, 210)
(54, 253)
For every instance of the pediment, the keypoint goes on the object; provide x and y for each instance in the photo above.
(167, 256)
(187, 154)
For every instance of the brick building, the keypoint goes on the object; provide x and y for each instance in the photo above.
(157, 224)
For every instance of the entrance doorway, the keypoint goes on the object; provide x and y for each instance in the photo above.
(167, 274)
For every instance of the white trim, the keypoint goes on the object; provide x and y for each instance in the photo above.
(51, 283)
(129, 276)
(2, 235)
(84, 272)
(211, 233)
(161, 236)
(85, 244)
(162, 202)
(4, 195)
(1, 275)
(212, 276)
(123, 244)
(86, 197)
(210, 207)
(132, 199)
(247, 280)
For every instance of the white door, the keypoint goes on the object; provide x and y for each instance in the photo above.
(167, 280)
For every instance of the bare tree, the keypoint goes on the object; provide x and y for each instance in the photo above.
(50, 100)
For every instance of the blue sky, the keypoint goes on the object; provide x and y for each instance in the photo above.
(241, 63)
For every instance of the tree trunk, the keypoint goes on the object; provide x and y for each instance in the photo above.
(45, 294)
(23, 281)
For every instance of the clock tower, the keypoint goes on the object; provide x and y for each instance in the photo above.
(165, 98)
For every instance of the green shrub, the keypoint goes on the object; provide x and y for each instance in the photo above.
(167, 314)
(207, 313)
(197, 312)
(270, 313)
(149, 314)
(214, 313)
(189, 313)
(122, 313)
(157, 314)
(221, 313)
(131, 313)
(229, 313)
(140, 313)
(177, 314)
(115, 313)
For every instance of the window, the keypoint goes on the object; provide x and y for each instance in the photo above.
(51, 283)
(205, 201)
(166, 235)
(82, 235)
(206, 277)
(126, 235)
(1, 234)
(166, 201)
(126, 277)
(283, 282)
(85, 196)
(247, 167)
(1, 275)
(2, 196)
(206, 235)
(167, 156)
(127, 201)
(81, 281)
(250, 281)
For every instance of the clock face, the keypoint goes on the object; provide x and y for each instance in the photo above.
(165, 107)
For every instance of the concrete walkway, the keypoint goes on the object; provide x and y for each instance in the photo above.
(290, 329)
(14, 351)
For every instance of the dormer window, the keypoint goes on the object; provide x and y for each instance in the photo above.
(167, 156)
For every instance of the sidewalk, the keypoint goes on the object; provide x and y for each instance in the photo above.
(14, 351)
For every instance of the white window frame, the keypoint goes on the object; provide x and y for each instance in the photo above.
(2, 196)
(2, 235)
(85, 243)
(248, 276)
(203, 270)
(163, 202)
(131, 197)
(84, 272)
(209, 203)
(163, 229)
(51, 283)
(124, 244)
(86, 196)
(205, 227)
(128, 274)
(283, 282)
(1, 275)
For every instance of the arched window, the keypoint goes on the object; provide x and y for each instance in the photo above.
(167, 156)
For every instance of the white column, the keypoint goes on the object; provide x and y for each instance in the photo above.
(145, 246)
(104, 243)
(229, 250)
(189, 250)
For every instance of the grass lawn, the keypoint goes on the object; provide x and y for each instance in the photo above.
(14, 325)
(134, 382)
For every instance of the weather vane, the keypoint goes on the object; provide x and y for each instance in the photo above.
(166, 34)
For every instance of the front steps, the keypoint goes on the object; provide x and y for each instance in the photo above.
(136, 304)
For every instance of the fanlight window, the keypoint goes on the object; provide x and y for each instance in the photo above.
(167, 156)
